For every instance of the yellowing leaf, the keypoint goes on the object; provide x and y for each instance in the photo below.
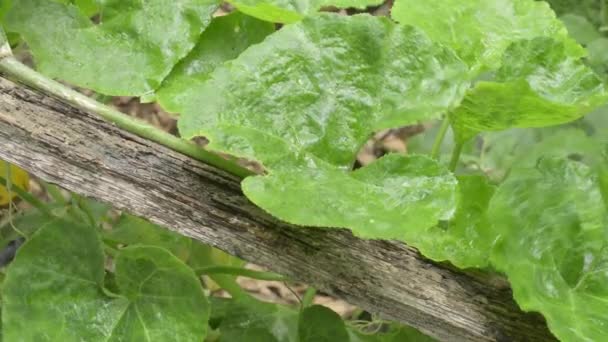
(16, 176)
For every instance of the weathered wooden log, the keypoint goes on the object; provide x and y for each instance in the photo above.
(89, 156)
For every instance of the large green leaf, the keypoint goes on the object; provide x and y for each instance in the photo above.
(288, 11)
(305, 100)
(481, 30)
(464, 240)
(224, 39)
(403, 196)
(53, 292)
(129, 53)
(538, 85)
(552, 225)
(323, 86)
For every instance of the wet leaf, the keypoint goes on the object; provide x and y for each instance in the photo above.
(224, 39)
(129, 53)
(538, 85)
(481, 30)
(296, 104)
(552, 224)
(464, 240)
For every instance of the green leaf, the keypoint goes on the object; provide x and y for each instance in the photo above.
(393, 333)
(597, 123)
(305, 100)
(156, 282)
(247, 319)
(289, 11)
(132, 230)
(323, 86)
(538, 85)
(521, 148)
(129, 53)
(580, 28)
(590, 9)
(552, 225)
(481, 30)
(404, 196)
(598, 56)
(465, 240)
(224, 39)
(320, 324)
(53, 292)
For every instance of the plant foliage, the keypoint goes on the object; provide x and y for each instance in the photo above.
(513, 80)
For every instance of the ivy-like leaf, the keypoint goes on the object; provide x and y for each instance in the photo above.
(552, 225)
(320, 324)
(481, 30)
(129, 53)
(305, 100)
(132, 230)
(289, 11)
(392, 333)
(53, 292)
(224, 39)
(538, 85)
(247, 319)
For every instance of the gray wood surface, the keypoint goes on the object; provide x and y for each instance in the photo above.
(91, 157)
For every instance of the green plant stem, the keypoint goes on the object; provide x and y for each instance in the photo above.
(82, 204)
(23, 74)
(439, 138)
(309, 296)
(455, 156)
(239, 271)
(55, 193)
(26, 196)
(229, 284)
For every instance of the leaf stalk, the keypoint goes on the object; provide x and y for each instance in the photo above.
(455, 156)
(14, 69)
(439, 138)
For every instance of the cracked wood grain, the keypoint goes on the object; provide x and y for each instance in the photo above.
(86, 155)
